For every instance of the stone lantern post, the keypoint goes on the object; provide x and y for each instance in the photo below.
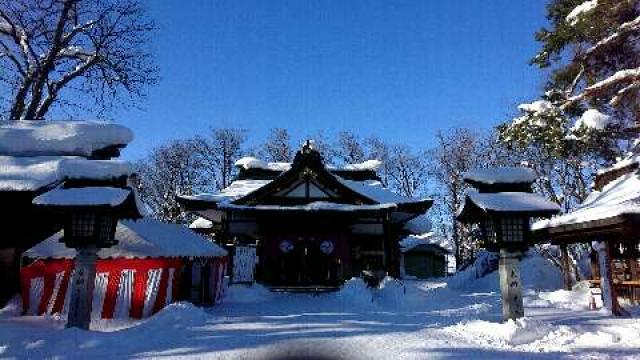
(502, 204)
(89, 216)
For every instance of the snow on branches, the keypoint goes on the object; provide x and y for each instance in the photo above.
(97, 48)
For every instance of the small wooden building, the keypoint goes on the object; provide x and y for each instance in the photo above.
(152, 265)
(311, 225)
(609, 221)
(423, 257)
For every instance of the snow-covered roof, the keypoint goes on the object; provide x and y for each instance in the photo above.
(366, 165)
(33, 173)
(86, 196)
(374, 190)
(313, 206)
(632, 159)
(501, 175)
(28, 173)
(43, 137)
(510, 202)
(250, 162)
(145, 238)
(419, 225)
(412, 241)
(201, 223)
(234, 191)
(621, 196)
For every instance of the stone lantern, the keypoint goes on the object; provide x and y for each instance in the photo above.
(89, 216)
(502, 204)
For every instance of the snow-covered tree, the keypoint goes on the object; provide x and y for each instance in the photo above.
(378, 149)
(591, 102)
(61, 52)
(277, 148)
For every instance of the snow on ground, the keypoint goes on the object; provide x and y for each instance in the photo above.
(410, 320)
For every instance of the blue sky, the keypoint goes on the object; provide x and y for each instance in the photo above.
(397, 69)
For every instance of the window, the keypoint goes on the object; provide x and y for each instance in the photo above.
(512, 229)
(490, 231)
(82, 225)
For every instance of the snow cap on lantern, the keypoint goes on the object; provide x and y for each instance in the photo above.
(503, 204)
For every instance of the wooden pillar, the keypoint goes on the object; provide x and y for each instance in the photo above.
(510, 285)
(82, 288)
(567, 268)
(609, 296)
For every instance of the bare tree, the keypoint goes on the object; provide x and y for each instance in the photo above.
(456, 152)
(378, 149)
(277, 148)
(324, 146)
(50, 48)
(407, 171)
(169, 170)
(220, 151)
(349, 148)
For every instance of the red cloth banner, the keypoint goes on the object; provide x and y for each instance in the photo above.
(46, 272)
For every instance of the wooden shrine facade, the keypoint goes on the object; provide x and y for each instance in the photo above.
(311, 226)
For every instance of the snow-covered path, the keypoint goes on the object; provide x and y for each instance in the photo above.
(431, 320)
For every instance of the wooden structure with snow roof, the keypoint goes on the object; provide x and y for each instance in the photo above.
(609, 220)
(152, 264)
(312, 225)
(38, 156)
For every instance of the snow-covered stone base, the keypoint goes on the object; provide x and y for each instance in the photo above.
(400, 320)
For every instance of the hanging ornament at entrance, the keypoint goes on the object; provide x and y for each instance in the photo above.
(326, 247)
(286, 246)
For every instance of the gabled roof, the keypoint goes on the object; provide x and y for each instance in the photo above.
(145, 238)
(337, 194)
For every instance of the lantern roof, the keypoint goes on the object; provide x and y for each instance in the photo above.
(478, 206)
(501, 179)
(121, 202)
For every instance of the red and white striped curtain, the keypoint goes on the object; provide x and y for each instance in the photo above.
(123, 288)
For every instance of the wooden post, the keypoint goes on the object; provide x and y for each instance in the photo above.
(510, 285)
(609, 297)
(82, 288)
(566, 267)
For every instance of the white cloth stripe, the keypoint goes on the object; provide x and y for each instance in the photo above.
(151, 292)
(99, 294)
(54, 293)
(123, 300)
(36, 288)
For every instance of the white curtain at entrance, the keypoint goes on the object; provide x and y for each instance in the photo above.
(151, 293)
(123, 300)
(99, 293)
